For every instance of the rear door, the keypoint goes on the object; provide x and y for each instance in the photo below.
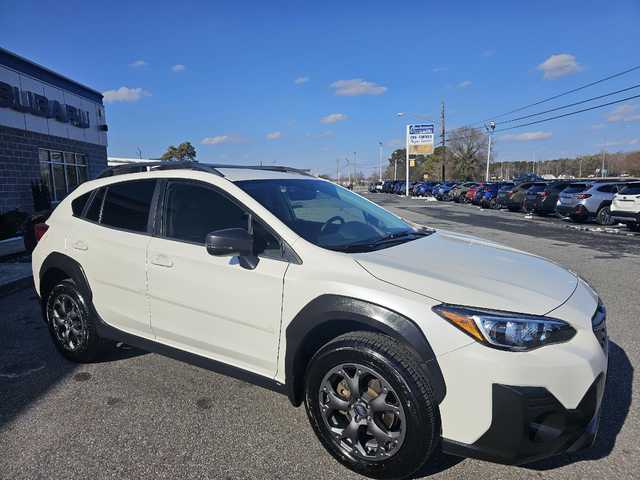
(209, 305)
(110, 243)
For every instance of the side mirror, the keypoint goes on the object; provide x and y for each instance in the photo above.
(233, 242)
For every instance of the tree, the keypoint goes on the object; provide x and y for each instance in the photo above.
(421, 164)
(467, 153)
(184, 153)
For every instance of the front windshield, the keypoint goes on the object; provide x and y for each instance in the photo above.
(329, 216)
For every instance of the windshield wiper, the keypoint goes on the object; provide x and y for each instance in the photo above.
(367, 244)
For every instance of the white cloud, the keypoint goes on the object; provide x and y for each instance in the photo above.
(557, 66)
(302, 80)
(290, 123)
(139, 63)
(440, 69)
(222, 157)
(486, 53)
(307, 134)
(525, 137)
(357, 86)
(622, 113)
(124, 94)
(609, 144)
(177, 68)
(465, 84)
(596, 127)
(231, 138)
(634, 142)
(334, 118)
(274, 135)
(451, 112)
(325, 134)
(397, 143)
(245, 156)
(326, 149)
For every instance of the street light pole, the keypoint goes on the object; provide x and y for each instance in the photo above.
(380, 161)
(346, 157)
(604, 148)
(355, 169)
(490, 133)
(337, 171)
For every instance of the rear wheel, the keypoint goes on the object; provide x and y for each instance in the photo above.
(371, 406)
(71, 325)
(604, 216)
(493, 205)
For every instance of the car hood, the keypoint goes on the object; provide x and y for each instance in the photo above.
(460, 269)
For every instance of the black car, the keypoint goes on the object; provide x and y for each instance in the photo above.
(531, 195)
(544, 201)
(388, 186)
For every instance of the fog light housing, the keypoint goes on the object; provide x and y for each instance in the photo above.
(547, 427)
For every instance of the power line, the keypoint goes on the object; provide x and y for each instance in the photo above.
(568, 114)
(561, 95)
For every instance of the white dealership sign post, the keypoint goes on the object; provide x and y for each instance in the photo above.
(419, 142)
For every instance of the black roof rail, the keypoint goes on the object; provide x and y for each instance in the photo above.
(148, 166)
(271, 168)
(202, 167)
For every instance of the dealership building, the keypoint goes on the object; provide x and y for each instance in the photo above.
(52, 130)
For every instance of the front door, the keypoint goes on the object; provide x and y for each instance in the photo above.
(209, 305)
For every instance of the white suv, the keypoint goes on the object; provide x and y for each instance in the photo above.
(394, 335)
(626, 206)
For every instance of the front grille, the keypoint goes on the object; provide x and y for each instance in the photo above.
(599, 325)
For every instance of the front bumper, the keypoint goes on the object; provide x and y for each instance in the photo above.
(529, 423)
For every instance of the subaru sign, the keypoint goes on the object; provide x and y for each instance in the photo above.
(420, 139)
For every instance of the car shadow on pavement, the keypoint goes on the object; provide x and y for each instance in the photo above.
(438, 462)
(116, 352)
(615, 408)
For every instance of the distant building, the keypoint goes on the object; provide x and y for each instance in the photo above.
(52, 130)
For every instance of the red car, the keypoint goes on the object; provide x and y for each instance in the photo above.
(472, 191)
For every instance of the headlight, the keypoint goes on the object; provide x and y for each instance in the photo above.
(507, 331)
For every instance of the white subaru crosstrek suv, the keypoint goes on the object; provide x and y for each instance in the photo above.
(394, 335)
(626, 206)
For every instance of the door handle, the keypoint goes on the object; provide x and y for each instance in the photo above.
(80, 245)
(161, 261)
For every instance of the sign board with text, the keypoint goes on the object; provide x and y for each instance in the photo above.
(420, 139)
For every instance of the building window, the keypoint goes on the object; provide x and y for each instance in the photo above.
(61, 172)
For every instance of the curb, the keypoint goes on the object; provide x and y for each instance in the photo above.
(16, 285)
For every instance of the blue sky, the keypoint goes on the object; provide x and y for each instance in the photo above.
(304, 83)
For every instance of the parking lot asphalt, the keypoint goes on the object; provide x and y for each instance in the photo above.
(140, 415)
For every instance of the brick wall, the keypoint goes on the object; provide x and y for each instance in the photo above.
(19, 163)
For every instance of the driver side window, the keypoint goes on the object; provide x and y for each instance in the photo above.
(192, 211)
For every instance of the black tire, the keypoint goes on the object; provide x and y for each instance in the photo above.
(578, 218)
(541, 213)
(372, 355)
(80, 348)
(493, 205)
(514, 208)
(604, 217)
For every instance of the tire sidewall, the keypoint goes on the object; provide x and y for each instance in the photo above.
(89, 348)
(416, 423)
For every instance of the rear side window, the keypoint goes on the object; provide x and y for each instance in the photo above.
(123, 205)
(77, 205)
(558, 187)
(632, 189)
(605, 188)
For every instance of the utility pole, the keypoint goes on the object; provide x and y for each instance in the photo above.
(346, 157)
(355, 168)
(337, 171)
(490, 133)
(380, 161)
(444, 149)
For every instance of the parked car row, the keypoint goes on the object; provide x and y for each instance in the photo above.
(605, 201)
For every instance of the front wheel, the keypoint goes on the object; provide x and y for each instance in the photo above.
(371, 406)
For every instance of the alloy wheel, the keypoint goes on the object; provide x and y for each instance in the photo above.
(362, 412)
(67, 322)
